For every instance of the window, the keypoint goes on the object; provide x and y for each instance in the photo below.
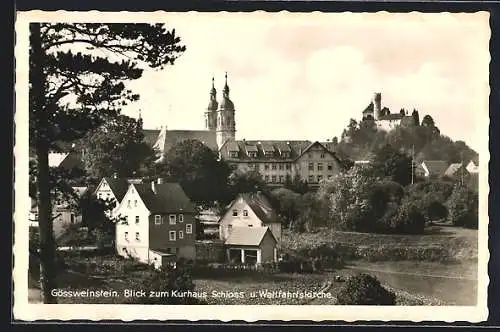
(288, 166)
(268, 153)
(311, 178)
(286, 154)
(235, 213)
(99, 195)
(282, 178)
(136, 219)
(245, 213)
(282, 167)
(273, 166)
(322, 156)
(311, 166)
(320, 166)
(171, 235)
(330, 167)
(233, 154)
(107, 195)
(137, 236)
(273, 179)
(189, 229)
(181, 234)
(266, 178)
(126, 236)
(172, 219)
(252, 154)
(157, 219)
(135, 203)
(128, 203)
(72, 217)
(250, 225)
(320, 177)
(266, 166)
(181, 217)
(229, 226)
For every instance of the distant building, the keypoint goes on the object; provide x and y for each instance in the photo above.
(432, 168)
(250, 230)
(157, 223)
(274, 159)
(112, 188)
(63, 213)
(456, 170)
(384, 119)
(472, 167)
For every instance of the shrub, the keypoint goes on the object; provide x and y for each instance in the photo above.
(463, 207)
(431, 197)
(364, 289)
(408, 220)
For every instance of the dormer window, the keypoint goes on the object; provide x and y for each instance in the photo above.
(233, 154)
(252, 154)
(285, 154)
(268, 153)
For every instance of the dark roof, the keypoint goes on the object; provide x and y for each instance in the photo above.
(150, 136)
(407, 121)
(369, 108)
(296, 148)
(436, 167)
(168, 197)
(261, 206)
(119, 186)
(247, 236)
(393, 116)
(173, 137)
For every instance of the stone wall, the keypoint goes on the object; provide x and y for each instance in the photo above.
(210, 251)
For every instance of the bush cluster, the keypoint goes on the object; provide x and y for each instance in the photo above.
(463, 207)
(364, 289)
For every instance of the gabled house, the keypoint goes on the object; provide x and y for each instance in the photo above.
(472, 167)
(251, 226)
(434, 168)
(112, 188)
(156, 223)
(456, 170)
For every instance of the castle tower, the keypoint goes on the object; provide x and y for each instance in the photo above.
(211, 112)
(226, 127)
(377, 105)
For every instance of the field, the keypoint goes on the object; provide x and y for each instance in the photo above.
(440, 243)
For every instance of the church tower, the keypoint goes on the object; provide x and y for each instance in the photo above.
(211, 112)
(226, 127)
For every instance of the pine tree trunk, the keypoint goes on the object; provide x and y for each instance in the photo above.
(46, 234)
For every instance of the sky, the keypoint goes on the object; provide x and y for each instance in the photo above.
(303, 76)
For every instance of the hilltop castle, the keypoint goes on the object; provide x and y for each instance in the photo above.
(386, 120)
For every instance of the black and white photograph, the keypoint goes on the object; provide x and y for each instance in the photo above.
(229, 161)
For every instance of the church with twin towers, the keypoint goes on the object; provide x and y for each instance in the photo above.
(275, 160)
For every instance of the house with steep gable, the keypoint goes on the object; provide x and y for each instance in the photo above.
(251, 227)
(112, 188)
(156, 223)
